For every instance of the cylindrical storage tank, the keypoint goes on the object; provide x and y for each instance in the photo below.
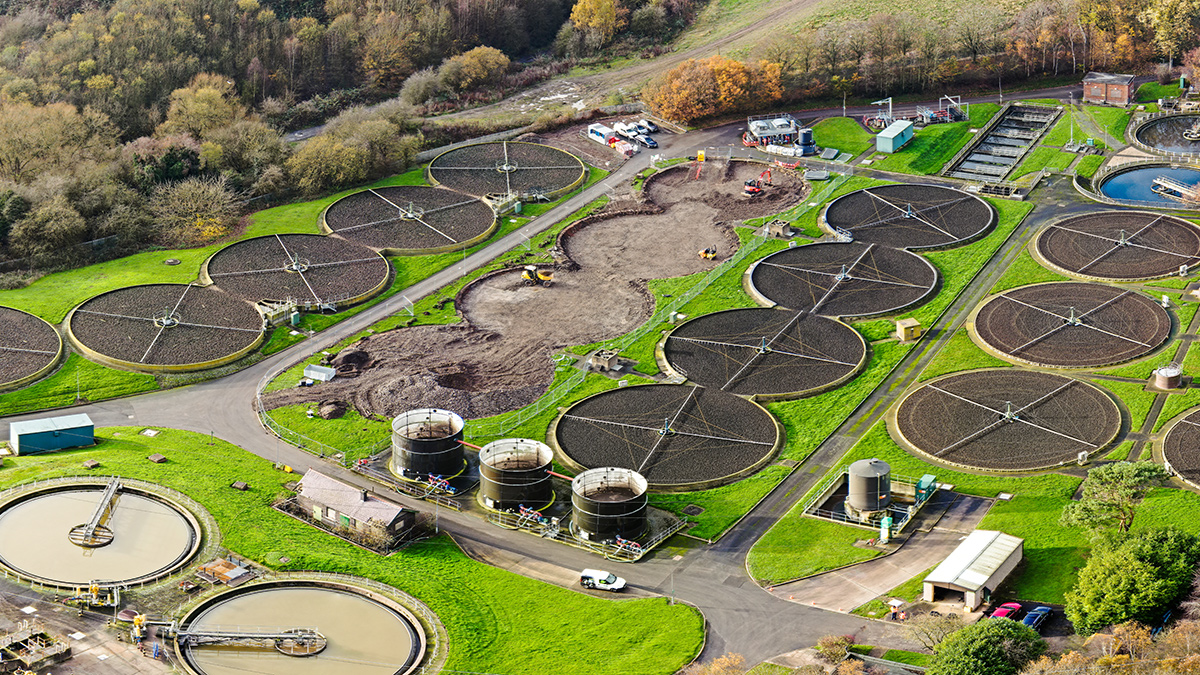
(1169, 376)
(608, 502)
(870, 485)
(513, 472)
(427, 441)
(806, 137)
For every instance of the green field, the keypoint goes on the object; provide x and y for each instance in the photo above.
(934, 145)
(77, 379)
(1089, 165)
(843, 133)
(1043, 158)
(496, 621)
(1024, 271)
(1152, 91)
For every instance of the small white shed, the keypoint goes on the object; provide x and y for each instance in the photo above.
(977, 567)
(319, 373)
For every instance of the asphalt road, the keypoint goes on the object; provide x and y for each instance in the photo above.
(742, 617)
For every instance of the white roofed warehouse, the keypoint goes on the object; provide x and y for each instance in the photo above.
(976, 568)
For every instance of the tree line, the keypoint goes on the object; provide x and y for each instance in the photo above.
(979, 47)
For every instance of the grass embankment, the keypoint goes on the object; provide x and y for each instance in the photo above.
(1049, 159)
(1152, 91)
(496, 621)
(958, 354)
(934, 145)
(1089, 165)
(843, 133)
(77, 380)
(1024, 271)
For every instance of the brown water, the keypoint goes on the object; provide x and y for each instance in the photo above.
(148, 536)
(365, 638)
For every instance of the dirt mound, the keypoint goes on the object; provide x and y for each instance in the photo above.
(331, 410)
(719, 184)
(351, 361)
(472, 372)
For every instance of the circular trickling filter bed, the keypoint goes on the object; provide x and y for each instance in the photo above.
(1181, 447)
(304, 267)
(850, 279)
(675, 436)
(526, 169)
(165, 326)
(145, 536)
(28, 345)
(1121, 245)
(1007, 420)
(410, 218)
(910, 216)
(1170, 134)
(765, 351)
(356, 632)
(1072, 324)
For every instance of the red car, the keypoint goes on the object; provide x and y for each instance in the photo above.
(1008, 610)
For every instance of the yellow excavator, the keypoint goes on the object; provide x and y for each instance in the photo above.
(532, 274)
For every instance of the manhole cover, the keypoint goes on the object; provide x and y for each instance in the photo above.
(692, 510)
(171, 261)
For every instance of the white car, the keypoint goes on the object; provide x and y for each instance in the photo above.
(599, 579)
(625, 131)
(649, 125)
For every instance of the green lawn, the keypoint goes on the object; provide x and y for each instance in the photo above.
(77, 376)
(911, 658)
(958, 354)
(1152, 91)
(1024, 271)
(934, 145)
(1089, 165)
(1121, 452)
(1060, 134)
(722, 506)
(496, 621)
(1043, 158)
(1112, 120)
(843, 133)
(1135, 397)
(797, 546)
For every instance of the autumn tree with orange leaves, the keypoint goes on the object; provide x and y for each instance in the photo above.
(714, 86)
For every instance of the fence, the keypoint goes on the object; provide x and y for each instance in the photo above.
(1132, 136)
(616, 552)
(821, 492)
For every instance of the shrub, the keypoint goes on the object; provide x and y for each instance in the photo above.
(193, 211)
(421, 86)
(990, 647)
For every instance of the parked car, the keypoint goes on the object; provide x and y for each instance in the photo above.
(625, 131)
(1009, 610)
(647, 141)
(649, 125)
(641, 128)
(605, 581)
(1036, 617)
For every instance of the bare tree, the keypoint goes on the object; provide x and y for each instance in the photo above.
(929, 630)
(978, 29)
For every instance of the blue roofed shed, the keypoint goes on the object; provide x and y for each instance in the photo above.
(51, 433)
(894, 137)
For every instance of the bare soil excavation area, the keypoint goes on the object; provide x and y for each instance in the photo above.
(500, 359)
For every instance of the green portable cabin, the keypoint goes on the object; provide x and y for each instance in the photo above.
(894, 137)
(52, 433)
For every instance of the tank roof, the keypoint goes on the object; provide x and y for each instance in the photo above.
(870, 467)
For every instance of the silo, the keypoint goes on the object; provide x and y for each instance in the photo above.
(1169, 376)
(870, 484)
(608, 502)
(427, 442)
(807, 145)
(514, 472)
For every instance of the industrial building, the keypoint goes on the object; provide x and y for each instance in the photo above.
(895, 136)
(976, 568)
(1108, 88)
(52, 433)
(337, 504)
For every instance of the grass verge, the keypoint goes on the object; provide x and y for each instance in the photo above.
(934, 145)
(843, 133)
(76, 381)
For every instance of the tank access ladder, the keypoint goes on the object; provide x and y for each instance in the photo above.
(95, 533)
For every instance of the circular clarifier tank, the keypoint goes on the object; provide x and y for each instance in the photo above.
(145, 536)
(1138, 184)
(364, 633)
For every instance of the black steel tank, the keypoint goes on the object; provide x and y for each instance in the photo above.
(426, 442)
(513, 473)
(870, 485)
(607, 503)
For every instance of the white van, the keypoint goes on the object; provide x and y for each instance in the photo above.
(605, 581)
